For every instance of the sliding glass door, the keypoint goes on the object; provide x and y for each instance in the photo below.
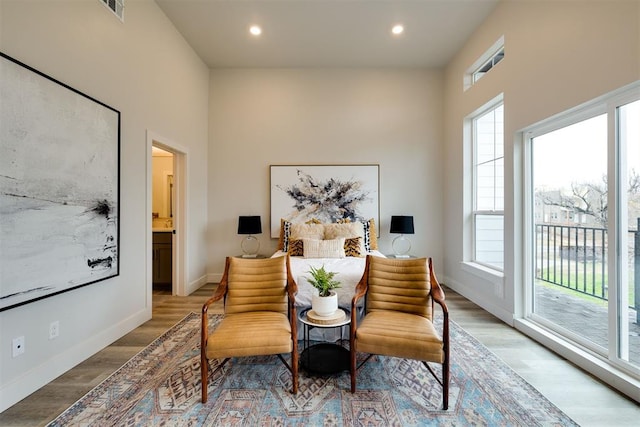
(628, 297)
(570, 211)
(584, 187)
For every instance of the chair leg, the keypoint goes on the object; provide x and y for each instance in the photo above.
(294, 370)
(353, 368)
(445, 383)
(204, 372)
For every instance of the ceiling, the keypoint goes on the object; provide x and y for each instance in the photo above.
(326, 33)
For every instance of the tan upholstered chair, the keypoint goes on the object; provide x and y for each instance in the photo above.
(260, 315)
(398, 318)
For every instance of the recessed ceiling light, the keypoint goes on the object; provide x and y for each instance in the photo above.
(255, 30)
(397, 29)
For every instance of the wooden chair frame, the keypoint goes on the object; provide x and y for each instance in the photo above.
(437, 297)
(220, 293)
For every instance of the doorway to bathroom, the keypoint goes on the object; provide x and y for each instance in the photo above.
(162, 219)
(166, 210)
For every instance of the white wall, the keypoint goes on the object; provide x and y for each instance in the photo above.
(557, 55)
(260, 117)
(144, 69)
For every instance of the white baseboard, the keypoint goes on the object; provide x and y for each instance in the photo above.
(214, 277)
(596, 366)
(482, 297)
(27, 383)
(197, 284)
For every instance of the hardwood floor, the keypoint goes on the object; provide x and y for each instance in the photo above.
(585, 399)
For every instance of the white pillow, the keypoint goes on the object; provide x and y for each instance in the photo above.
(348, 230)
(324, 248)
(308, 231)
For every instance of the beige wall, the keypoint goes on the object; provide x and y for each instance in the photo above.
(144, 69)
(260, 117)
(558, 54)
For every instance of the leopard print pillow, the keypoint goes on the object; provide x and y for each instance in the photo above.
(352, 247)
(296, 247)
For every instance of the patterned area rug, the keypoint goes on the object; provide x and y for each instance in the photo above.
(160, 386)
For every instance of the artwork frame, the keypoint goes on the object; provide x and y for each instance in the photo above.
(59, 187)
(297, 193)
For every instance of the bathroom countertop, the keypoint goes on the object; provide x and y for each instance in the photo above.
(162, 230)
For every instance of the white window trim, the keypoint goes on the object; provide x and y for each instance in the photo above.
(469, 123)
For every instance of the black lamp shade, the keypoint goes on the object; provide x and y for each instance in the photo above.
(249, 225)
(401, 224)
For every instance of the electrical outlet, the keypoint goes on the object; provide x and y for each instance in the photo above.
(17, 346)
(54, 330)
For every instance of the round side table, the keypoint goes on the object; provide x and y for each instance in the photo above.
(324, 358)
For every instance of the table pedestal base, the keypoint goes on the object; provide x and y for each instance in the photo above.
(325, 359)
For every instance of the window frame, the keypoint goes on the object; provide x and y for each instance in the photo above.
(472, 75)
(475, 213)
(606, 104)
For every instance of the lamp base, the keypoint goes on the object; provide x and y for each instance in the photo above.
(250, 247)
(401, 246)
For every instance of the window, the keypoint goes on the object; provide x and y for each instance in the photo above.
(491, 62)
(488, 187)
(484, 64)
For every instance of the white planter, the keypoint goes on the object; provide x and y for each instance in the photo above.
(325, 306)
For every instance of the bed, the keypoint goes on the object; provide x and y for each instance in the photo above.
(349, 271)
(340, 247)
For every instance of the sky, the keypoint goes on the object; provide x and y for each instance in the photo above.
(578, 153)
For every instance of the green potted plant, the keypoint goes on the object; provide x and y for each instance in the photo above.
(325, 303)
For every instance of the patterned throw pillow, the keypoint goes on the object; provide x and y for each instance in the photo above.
(281, 239)
(353, 247)
(373, 237)
(286, 232)
(367, 236)
(296, 247)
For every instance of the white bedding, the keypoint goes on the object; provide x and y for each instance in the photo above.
(349, 271)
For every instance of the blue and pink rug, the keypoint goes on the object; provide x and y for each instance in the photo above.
(160, 386)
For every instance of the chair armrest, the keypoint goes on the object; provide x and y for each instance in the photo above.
(292, 286)
(292, 290)
(437, 294)
(359, 292)
(219, 293)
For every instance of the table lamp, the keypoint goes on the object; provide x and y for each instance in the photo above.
(250, 225)
(402, 225)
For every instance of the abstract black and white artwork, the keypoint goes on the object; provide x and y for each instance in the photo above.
(59, 186)
(327, 193)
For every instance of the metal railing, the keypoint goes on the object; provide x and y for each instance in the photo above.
(576, 258)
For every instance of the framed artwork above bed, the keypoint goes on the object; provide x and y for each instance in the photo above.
(327, 193)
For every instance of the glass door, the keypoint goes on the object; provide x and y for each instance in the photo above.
(628, 295)
(584, 184)
(570, 231)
